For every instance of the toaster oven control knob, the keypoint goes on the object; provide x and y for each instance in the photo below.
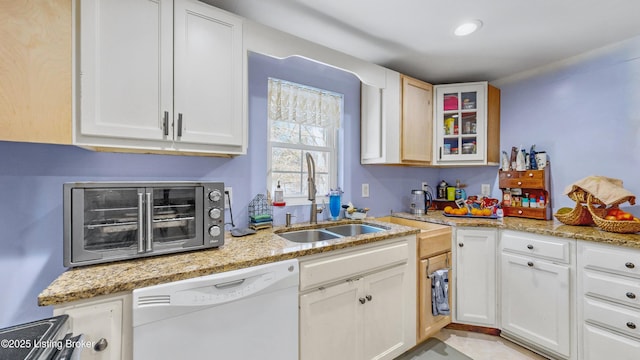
(215, 213)
(214, 230)
(215, 195)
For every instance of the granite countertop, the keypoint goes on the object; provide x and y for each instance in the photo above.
(542, 227)
(237, 252)
(266, 247)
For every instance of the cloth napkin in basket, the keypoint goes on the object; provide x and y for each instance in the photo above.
(605, 189)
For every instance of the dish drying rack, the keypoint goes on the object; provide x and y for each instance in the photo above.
(260, 213)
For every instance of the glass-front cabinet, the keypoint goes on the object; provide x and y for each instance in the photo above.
(461, 124)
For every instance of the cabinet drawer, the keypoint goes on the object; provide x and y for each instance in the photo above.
(434, 242)
(601, 344)
(623, 290)
(536, 245)
(618, 260)
(620, 319)
(330, 269)
(533, 213)
(531, 179)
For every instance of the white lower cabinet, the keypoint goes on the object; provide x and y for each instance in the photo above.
(536, 292)
(105, 323)
(608, 302)
(368, 313)
(475, 276)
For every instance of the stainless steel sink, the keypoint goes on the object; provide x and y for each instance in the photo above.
(354, 229)
(328, 233)
(308, 236)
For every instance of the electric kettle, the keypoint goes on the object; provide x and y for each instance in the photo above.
(420, 202)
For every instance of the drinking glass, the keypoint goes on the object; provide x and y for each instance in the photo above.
(334, 204)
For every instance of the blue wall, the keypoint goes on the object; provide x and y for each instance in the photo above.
(585, 113)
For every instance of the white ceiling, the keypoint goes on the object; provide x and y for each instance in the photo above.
(415, 37)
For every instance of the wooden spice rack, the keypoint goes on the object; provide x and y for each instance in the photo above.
(534, 182)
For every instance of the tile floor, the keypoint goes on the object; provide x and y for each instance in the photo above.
(485, 347)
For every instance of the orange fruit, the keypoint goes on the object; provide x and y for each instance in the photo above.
(463, 211)
(486, 212)
(447, 209)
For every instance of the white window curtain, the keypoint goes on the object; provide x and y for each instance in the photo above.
(302, 105)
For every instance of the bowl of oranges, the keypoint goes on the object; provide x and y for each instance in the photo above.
(466, 212)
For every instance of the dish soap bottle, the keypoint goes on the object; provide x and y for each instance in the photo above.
(278, 196)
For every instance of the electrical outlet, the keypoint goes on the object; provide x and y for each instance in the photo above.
(229, 196)
(425, 186)
(486, 190)
(365, 190)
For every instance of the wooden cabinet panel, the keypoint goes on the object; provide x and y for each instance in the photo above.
(475, 269)
(430, 324)
(367, 314)
(330, 323)
(384, 331)
(533, 182)
(35, 71)
(536, 302)
(417, 120)
(600, 344)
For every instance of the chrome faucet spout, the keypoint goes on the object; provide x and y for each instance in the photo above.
(311, 167)
(311, 179)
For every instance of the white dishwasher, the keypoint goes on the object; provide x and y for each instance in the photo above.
(243, 314)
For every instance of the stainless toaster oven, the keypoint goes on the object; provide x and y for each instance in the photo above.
(110, 221)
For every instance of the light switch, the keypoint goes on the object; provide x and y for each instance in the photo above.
(365, 190)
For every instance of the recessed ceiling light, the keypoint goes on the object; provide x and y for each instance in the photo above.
(468, 27)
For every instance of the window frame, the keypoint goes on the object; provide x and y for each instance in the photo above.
(333, 147)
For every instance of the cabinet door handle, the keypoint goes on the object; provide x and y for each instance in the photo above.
(461, 244)
(630, 265)
(530, 174)
(519, 182)
(362, 300)
(530, 247)
(101, 345)
(369, 297)
(631, 325)
(149, 232)
(165, 123)
(530, 263)
(631, 295)
(141, 245)
(179, 124)
(519, 212)
(440, 153)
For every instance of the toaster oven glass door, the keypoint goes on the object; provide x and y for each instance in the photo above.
(115, 223)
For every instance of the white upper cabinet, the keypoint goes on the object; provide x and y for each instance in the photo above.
(467, 124)
(208, 75)
(159, 76)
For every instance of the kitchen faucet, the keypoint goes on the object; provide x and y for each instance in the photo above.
(311, 187)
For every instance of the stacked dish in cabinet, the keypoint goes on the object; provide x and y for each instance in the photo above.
(608, 302)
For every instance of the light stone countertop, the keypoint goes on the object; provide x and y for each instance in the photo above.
(266, 247)
(542, 227)
(236, 253)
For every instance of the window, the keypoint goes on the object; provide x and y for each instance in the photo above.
(302, 119)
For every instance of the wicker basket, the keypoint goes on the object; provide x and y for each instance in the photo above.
(616, 226)
(580, 215)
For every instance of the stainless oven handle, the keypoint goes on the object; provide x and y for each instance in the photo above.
(149, 222)
(140, 223)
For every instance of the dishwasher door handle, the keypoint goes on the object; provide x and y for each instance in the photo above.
(229, 284)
